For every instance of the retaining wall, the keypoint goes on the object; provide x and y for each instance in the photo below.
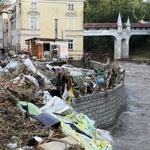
(103, 107)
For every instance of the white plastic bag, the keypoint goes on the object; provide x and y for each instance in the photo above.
(65, 93)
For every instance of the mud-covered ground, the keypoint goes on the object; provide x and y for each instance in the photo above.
(132, 131)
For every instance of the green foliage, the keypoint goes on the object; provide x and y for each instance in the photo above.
(108, 10)
(1, 4)
(139, 42)
(147, 11)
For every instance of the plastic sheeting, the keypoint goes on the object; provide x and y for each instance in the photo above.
(82, 129)
(32, 109)
(55, 105)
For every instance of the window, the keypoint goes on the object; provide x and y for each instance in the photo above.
(70, 45)
(71, 7)
(33, 5)
(33, 22)
(46, 47)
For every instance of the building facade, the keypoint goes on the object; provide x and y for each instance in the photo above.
(4, 27)
(58, 19)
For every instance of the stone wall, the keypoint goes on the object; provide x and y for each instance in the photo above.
(103, 107)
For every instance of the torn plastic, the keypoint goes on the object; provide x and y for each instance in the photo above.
(8, 66)
(55, 105)
(84, 132)
(31, 108)
(28, 63)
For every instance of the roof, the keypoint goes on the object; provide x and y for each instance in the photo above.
(102, 25)
(44, 39)
(140, 25)
(114, 25)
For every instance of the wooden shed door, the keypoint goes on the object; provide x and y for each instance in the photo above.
(40, 51)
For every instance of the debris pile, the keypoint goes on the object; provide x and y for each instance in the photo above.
(36, 111)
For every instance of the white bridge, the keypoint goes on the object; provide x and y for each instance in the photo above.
(121, 33)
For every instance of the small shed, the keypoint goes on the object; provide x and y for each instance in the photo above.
(47, 47)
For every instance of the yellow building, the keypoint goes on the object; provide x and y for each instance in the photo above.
(58, 19)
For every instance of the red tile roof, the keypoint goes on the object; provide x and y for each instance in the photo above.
(114, 25)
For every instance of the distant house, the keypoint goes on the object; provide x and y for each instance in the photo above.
(4, 43)
(54, 19)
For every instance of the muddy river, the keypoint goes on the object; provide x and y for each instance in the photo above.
(132, 131)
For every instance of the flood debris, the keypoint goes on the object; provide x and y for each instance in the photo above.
(36, 105)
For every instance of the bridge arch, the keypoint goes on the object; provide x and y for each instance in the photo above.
(121, 47)
(121, 33)
(139, 41)
(124, 48)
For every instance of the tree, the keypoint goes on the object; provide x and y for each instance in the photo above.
(1, 4)
(147, 12)
(108, 10)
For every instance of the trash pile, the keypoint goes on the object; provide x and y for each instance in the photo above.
(36, 107)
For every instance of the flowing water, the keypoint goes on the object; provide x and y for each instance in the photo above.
(132, 131)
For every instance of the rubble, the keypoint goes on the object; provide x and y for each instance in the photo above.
(31, 88)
